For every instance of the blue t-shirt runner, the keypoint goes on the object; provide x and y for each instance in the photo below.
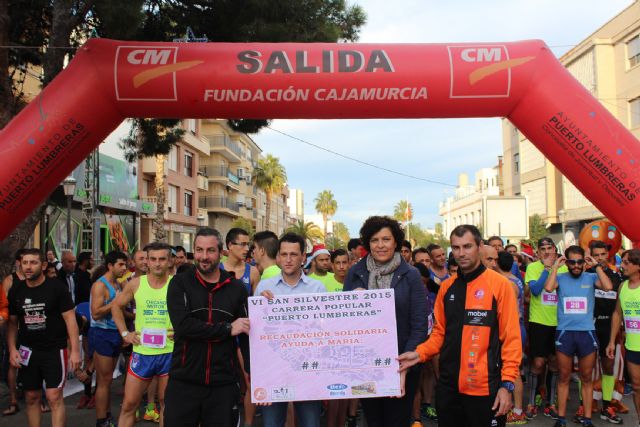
(576, 300)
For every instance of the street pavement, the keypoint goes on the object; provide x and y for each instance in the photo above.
(86, 418)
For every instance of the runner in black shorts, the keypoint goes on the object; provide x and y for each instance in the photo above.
(604, 307)
(41, 319)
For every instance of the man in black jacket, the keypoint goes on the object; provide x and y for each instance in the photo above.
(82, 277)
(208, 310)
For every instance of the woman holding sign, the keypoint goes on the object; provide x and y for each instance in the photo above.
(384, 268)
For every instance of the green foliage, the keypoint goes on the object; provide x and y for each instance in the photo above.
(332, 242)
(326, 206)
(341, 231)
(400, 211)
(537, 230)
(150, 137)
(244, 224)
(311, 232)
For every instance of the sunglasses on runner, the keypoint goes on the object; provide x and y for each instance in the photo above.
(575, 262)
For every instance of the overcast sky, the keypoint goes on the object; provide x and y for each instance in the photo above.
(433, 149)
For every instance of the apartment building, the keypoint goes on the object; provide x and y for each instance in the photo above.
(607, 63)
(182, 187)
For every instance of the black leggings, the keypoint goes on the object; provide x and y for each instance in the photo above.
(389, 411)
(455, 409)
(192, 405)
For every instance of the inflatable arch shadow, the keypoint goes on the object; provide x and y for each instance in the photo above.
(109, 81)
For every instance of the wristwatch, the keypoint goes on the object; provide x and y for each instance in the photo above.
(508, 385)
(229, 327)
(124, 334)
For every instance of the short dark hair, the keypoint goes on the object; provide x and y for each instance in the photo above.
(492, 238)
(432, 247)
(634, 256)
(451, 260)
(406, 244)
(545, 241)
(354, 243)
(33, 251)
(179, 249)
(463, 229)
(19, 253)
(208, 232)
(267, 240)
(338, 252)
(374, 224)
(511, 245)
(292, 238)
(597, 244)
(574, 249)
(113, 257)
(233, 235)
(158, 246)
(423, 270)
(505, 261)
(84, 257)
(190, 255)
(51, 265)
(417, 251)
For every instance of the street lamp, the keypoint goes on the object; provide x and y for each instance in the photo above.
(69, 186)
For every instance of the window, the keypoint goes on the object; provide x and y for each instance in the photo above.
(516, 163)
(633, 51)
(191, 125)
(172, 200)
(634, 111)
(188, 203)
(173, 159)
(188, 164)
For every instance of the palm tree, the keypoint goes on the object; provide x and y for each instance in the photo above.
(311, 232)
(153, 138)
(271, 177)
(245, 224)
(403, 211)
(333, 242)
(326, 206)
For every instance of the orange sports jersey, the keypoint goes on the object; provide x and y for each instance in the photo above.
(476, 333)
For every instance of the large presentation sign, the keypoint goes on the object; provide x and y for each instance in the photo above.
(323, 346)
(109, 80)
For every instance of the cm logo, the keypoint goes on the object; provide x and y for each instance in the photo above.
(481, 54)
(149, 56)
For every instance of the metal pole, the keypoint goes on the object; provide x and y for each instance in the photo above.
(69, 221)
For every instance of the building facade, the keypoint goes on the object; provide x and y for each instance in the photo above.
(607, 63)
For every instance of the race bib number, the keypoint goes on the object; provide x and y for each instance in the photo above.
(25, 355)
(632, 325)
(575, 305)
(549, 298)
(154, 338)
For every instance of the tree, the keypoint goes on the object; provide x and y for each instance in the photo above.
(271, 177)
(537, 229)
(153, 138)
(311, 232)
(332, 242)
(341, 231)
(244, 224)
(326, 206)
(403, 211)
(65, 24)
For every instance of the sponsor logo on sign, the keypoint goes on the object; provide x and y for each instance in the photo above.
(481, 71)
(337, 386)
(144, 73)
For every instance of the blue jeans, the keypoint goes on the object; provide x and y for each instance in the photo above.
(307, 414)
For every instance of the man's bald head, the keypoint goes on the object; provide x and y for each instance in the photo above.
(68, 260)
(489, 257)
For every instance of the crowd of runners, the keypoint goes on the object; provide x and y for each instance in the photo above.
(488, 334)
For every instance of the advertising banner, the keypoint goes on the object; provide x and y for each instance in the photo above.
(323, 346)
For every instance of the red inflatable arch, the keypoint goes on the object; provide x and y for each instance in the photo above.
(109, 80)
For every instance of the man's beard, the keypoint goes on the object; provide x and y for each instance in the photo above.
(575, 275)
(209, 270)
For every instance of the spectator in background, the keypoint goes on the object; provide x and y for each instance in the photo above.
(82, 277)
(405, 251)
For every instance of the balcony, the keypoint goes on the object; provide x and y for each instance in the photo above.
(203, 217)
(221, 175)
(224, 146)
(213, 203)
(203, 182)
